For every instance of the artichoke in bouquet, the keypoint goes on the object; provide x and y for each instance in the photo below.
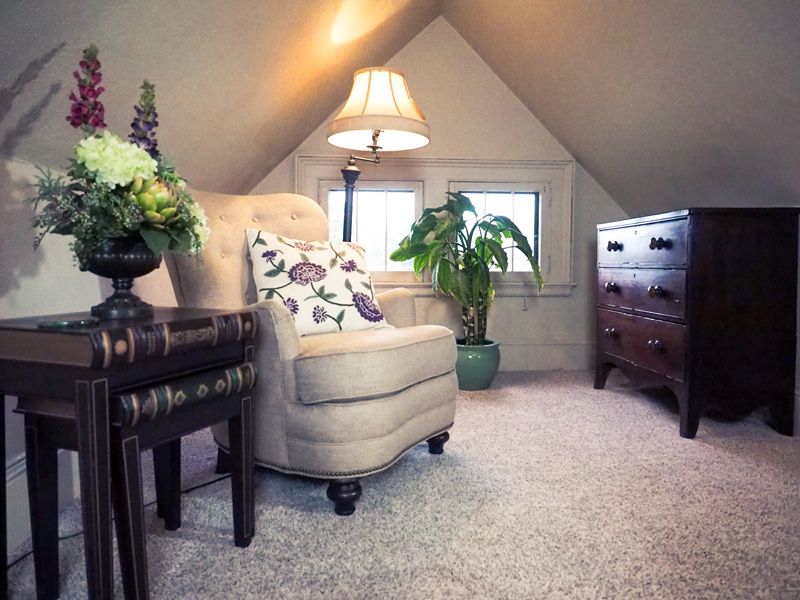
(157, 200)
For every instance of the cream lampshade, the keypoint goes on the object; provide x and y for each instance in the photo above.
(379, 103)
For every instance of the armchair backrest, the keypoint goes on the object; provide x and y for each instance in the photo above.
(220, 277)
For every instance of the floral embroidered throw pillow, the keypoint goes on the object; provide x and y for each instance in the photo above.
(325, 285)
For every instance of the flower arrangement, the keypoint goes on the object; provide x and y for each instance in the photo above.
(116, 188)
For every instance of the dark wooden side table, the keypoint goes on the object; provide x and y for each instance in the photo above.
(63, 366)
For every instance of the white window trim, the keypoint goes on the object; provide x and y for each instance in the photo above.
(556, 179)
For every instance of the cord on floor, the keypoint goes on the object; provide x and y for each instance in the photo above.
(80, 532)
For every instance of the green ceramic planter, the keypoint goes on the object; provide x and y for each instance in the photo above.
(476, 366)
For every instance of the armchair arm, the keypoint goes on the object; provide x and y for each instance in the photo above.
(278, 338)
(398, 307)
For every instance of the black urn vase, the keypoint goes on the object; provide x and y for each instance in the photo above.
(122, 260)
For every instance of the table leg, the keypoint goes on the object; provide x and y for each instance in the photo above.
(129, 508)
(167, 466)
(240, 433)
(91, 411)
(3, 543)
(42, 471)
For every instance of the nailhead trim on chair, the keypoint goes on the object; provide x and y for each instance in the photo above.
(331, 474)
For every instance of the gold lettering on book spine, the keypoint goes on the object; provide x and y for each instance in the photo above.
(107, 352)
(191, 337)
(131, 344)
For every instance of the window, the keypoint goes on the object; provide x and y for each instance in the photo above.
(518, 202)
(383, 213)
(547, 185)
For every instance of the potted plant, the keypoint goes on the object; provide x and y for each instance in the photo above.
(460, 256)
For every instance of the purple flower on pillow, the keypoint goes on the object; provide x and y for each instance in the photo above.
(367, 307)
(269, 254)
(318, 314)
(292, 305)
(304, 246)
(349, 266)
(305, 272)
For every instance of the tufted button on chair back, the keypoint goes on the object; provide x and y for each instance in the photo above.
(220, 277)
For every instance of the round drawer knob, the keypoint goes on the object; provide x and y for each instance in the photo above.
(614, 246)
(610, 332)
(655, 291)
(655, 345)
(611, 287)
(660, 243)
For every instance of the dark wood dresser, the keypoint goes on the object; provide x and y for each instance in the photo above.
(702, 301)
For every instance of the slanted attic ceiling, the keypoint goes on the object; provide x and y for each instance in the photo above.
(666, 104)
(238, 83)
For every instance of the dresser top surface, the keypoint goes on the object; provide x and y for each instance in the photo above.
(678, 214)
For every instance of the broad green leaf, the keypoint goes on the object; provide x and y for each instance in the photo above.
(304, 257)
(340, 317)
(366, 285)
(272, 273)
(348, 285)
(182, 239)
(499, 254)
(333, 262)
(260, 242)
(157, 241)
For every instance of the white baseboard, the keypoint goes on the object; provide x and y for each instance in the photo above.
(18, 517)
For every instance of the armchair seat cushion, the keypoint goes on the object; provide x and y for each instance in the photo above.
(357, 365)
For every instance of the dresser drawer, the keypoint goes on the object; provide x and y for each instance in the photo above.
(658, 244)
(657, 292)
(655, 345)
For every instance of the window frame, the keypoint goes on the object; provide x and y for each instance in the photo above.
(556, 180)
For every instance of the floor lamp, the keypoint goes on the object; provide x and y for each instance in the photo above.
(379, 115)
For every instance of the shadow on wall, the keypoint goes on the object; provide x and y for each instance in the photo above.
(15, 216)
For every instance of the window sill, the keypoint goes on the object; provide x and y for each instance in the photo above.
(507, 289)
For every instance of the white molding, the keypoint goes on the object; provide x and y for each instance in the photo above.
(503, 289)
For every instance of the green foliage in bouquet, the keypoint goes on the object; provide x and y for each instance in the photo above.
(460, 256)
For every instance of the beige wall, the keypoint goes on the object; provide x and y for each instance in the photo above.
(473, 115)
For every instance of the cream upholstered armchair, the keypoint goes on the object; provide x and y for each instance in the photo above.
(336, 406)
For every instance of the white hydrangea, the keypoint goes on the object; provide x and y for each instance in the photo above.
(200, 228)
(113, 160)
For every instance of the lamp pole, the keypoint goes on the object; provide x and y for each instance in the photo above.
(350, 174)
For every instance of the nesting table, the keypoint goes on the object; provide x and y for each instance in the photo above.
(91, 386)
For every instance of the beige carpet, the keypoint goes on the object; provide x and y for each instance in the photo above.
(547, 489)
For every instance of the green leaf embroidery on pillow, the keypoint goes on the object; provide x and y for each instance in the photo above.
(361, 271)
(348, 285)
(281, 264)
(260, 242)
(340, 317)
(269, 295)
(366, 285)
(304, 257)
(333, 262)
(272, 273)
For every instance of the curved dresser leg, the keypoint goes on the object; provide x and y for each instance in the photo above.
(689, 412)
(601, 374)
